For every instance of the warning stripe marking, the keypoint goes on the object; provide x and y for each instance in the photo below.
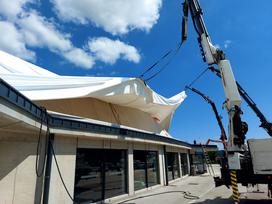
(234, 186)
(235, 199)
(233, 178)
(233, 174)
(233, 181)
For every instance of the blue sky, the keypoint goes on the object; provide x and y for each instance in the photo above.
(74, 39)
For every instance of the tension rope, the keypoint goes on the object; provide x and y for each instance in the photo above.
(196, 79)
(175, 52)
(169, 54)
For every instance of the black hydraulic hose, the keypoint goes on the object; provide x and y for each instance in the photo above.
(39, 173)
(219, 121)
(265, 124)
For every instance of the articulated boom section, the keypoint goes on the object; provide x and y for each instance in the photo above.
(212, 55)
(223, 136)
(265, 124)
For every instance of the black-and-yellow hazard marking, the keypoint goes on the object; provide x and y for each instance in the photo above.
(234, 186)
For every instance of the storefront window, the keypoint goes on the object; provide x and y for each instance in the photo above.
(115, 173)
(184, 163)
(139, 169)
(145, 169)
(100, 174)
(172, 166)
(152, 168)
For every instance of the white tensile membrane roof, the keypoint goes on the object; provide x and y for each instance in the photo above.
(38, 84)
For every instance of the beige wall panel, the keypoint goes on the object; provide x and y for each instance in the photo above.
(183, 150)
(146, 146)
(17, 172)
(175, 149)
(153, 147)
(8, 136)
(89, 143)
(171, 149)
(65, 149)
(25, 180)
(8, 170)
(119, 144)
(106, 144)
(140, 146)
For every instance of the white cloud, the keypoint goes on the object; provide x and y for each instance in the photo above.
(25, 29)
(114, 16)
(109, 51)
(39, 32)
(12, 41)
(217, 46)
(11, 8)
(79, 58)
(227, 43)
(29, 29)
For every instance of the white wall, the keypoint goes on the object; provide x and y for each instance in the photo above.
(17, 168)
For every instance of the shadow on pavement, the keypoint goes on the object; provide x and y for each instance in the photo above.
(185, 194)
(219, 200)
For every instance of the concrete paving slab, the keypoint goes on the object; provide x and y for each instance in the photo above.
(182, 191)
(223, 195)
(199, 190)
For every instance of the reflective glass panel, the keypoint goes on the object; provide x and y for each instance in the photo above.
(139, 158)
(172, 166)
(152, 168)
(100, 174)
(184, 163)
(115, 173)
(88, 182)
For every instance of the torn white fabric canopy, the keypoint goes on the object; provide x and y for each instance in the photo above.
(39, 84)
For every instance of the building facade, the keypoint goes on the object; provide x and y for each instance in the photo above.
(47, 156)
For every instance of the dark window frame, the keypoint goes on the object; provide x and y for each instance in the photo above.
(103, 171)
(176, 158)
(186, 165)
(146, 167)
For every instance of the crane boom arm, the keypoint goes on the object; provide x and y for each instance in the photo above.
(264, 122)
(219, 121)
(212, 55)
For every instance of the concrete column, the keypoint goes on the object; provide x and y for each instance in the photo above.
(65, 150)
(179, 164)
(188, 162)
(161, 167)
(130, 170)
